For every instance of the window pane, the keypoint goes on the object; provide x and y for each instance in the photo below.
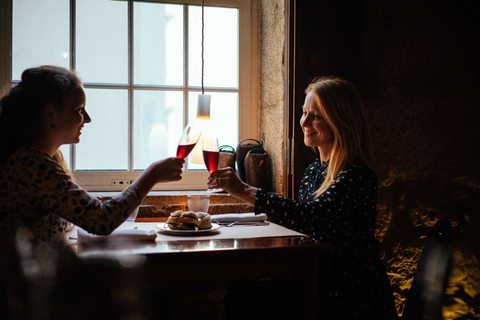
(220, 48)
(104, 142)
(223, 118)
(102, 41)
(158, 125)
(158, 44)
(37, 40)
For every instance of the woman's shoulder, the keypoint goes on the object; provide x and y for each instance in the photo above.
(28, 157)
(314, 165)
(359, 171)
(29, 152)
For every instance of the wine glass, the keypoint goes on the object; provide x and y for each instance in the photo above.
(188, 140)
(210, 155)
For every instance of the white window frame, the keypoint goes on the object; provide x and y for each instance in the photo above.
(248, 91)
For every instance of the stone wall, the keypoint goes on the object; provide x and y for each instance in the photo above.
(421, 72)
(272, 83)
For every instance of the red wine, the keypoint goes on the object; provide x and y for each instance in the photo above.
(184, 150)
(211, 160)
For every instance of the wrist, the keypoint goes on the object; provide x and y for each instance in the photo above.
(247, 193)
(145, 182)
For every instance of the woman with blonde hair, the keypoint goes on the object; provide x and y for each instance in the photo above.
(337, 202)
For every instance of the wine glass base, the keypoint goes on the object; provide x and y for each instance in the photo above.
(216, 190)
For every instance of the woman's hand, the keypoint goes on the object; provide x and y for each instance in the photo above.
(228, 180)
(225, 179)
(169, 169)
(166, 170)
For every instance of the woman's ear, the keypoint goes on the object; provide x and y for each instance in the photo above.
(50, 114)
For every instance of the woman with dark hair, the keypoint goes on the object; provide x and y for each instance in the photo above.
(45, 110)
(337, 202)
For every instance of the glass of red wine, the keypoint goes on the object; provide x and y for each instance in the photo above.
(210, 155)
(188, 140)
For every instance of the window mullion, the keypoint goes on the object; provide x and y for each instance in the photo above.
(185, 62)
(185, 68)
(130, 86)
(73, 66)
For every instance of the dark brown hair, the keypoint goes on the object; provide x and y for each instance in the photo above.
(21, 108)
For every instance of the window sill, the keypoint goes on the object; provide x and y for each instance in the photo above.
(162, 203)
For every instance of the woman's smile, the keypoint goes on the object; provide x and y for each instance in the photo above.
(309, 133)
(315, 129)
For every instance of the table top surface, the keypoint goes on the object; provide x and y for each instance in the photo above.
(236, 238)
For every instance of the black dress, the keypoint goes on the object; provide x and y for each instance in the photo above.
(344, 216)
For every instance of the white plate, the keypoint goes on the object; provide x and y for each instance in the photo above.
(163, 227)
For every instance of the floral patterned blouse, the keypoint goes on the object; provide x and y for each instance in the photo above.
(36, 192)
(344, 216)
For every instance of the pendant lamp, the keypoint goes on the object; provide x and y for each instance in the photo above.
(203, 105)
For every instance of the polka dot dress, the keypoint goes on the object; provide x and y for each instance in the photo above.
(344, 216)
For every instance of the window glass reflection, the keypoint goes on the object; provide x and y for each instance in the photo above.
(220, 47)
(104, 142)
(102, 41)
(158, 125)
(223, 120)
(158, 48)
(41, 40)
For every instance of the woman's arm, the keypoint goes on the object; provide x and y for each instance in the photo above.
(59, 194)
(345, 211)
(166, 170)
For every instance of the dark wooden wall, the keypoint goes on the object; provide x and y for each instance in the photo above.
(326, 39)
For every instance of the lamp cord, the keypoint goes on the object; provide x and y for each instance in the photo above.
(203, 32)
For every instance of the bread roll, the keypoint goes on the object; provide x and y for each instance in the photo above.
(180, 220)
(172, 221)
(204, 220)
(187, 221)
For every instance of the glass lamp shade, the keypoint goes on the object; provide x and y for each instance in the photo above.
(203, 108)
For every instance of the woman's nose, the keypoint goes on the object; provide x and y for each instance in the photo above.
(86, 117)
(304, 121)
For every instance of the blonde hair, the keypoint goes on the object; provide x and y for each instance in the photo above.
(60, 159)
(341, 107)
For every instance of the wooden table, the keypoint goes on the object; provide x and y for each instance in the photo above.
(175, 260)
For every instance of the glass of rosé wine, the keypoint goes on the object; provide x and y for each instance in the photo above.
(211, 154)
(188, 140)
